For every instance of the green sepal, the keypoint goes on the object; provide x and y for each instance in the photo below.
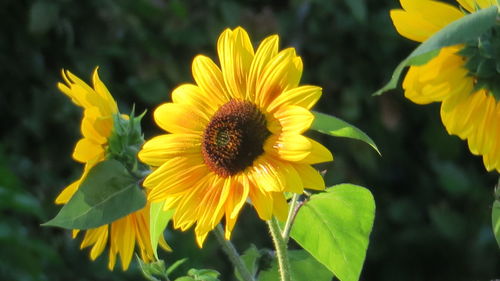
(125, 142)
(483, 58)
(158, 220)
(108, 193)
(335, 226)
(461, 31)
(152, 269)
(334, 126)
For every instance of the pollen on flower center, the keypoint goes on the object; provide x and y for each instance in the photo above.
(234, 138)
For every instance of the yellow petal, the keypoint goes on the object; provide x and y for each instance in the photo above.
(412, 26)
(470, 5)
(436, 13)
(438, 79)
(235, 202)
(196, 99)
(282, 73)
(209, 78)
(294, 119)
(87, 150)
(268, 175)
(261, 200)
(160, 149)
(280, 206)
(90, 237)
(310, 177)
(289, 177)
(186, 212)
(200, 238)
(477, 140)
(78, 94)
(265, 52)
(101, 242)
(209, 216)
(123, 235)
(235, 54)
(179, 118)
(88, 126)
(319, 154)
(304, 96)
(174, 176)
(290, 147)
(110, 107)
(67, 192)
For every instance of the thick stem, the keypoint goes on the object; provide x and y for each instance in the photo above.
(281, 250)
(233, 255)
(292, 212)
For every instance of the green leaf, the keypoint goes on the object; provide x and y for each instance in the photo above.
(460, 31)
(334, 126)
(334, 227)
(250, 258)
(108, 193)
(304, 268)
(204, 274)
(158, 220)
(495, 220)
(175, 265)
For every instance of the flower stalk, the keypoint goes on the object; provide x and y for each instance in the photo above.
(281, 250)
(292, 212)
(233, 255)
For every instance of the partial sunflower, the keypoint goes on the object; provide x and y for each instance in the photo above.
(236, 133)
(465, 78)
(97, 127)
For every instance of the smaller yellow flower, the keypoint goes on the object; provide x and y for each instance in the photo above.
(96, 127)
(470, 98)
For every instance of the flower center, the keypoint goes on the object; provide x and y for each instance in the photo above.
(234, 138)
(483, 61)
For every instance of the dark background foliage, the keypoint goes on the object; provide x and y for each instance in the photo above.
(433, 197)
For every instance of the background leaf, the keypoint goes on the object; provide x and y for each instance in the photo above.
(158, 220)
(304, 268)
(334, 227)
(460, 31)
(334, 126)
(108, 193)
(250, 258)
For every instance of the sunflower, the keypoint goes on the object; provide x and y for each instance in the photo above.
(97, 127)
(458, 77)
(235, 134)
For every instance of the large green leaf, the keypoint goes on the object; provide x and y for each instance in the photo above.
(158, 220)
(334, 126)
(460, 31)
(334, 227)
(108, 193)
(303, 266)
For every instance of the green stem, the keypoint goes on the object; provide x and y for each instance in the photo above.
(281, 250)
(233, 255)
(292, 212)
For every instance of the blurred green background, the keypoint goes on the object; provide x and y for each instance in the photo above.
(433, 197)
